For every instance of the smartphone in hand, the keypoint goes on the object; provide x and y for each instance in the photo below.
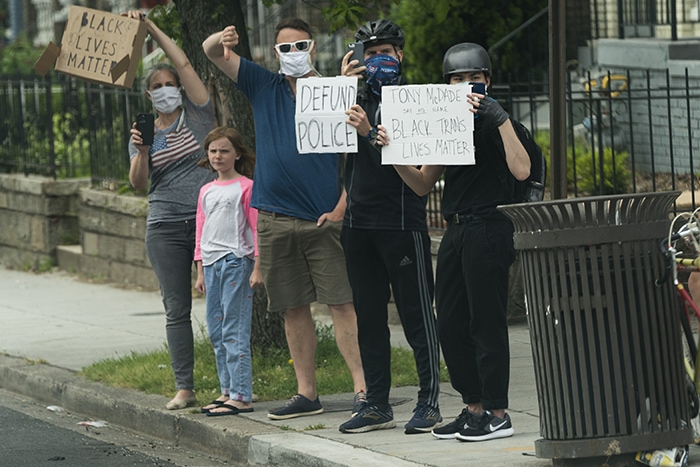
(478, 88)
(358, 53)
(145, 124)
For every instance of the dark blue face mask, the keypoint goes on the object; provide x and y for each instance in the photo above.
(382, 70)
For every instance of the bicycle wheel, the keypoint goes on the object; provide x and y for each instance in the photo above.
(690, 354)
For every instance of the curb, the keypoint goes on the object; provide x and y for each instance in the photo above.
(247, 442)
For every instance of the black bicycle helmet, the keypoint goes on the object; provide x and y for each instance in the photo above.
(465, 57)
(381, 31)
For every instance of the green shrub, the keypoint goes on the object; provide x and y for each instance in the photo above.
(19, 57)
(616, 176)
(71, 145)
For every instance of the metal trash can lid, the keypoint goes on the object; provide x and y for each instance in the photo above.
(590, 220)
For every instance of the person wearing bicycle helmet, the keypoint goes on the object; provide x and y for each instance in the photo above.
(471, 285)
(387, 246)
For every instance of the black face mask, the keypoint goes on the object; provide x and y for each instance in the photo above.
(382, 70)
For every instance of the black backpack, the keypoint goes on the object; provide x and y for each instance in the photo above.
(532, 188)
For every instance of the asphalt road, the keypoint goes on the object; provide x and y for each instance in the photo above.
(33, 435)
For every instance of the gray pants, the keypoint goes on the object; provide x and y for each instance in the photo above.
(170, 249)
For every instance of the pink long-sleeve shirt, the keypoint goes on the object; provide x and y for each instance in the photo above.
(226, 223)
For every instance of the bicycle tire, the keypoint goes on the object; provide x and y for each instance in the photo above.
(690, 353)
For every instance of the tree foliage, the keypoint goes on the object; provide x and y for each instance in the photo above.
(18, 57)
(432, 26)
(4, 20)
(431, 30)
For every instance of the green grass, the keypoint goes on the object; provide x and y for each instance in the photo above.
(273, 372)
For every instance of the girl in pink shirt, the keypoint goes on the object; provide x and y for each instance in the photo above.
(228, 270)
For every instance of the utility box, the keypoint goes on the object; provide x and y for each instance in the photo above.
(605, 339)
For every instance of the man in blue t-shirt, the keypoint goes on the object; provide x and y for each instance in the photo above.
(301, 206)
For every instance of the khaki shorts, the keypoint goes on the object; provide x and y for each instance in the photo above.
(300, 262)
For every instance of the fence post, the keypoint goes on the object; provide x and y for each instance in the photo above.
(49, 122)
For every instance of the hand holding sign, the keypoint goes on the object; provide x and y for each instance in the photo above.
(489, 109)
(322, 121)
(358, 118)
(427, 124)
(98, 46)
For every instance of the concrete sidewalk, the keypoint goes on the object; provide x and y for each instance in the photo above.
(70, 324)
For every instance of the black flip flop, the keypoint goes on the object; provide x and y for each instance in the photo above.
(215, 402)
(230, 410)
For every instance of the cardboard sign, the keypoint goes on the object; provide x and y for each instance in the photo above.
(428, 124)
(320, 118)
(97, 46)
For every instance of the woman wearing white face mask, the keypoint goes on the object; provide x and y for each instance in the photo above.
(181, 126)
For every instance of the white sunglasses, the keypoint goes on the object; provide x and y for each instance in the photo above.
(301, 46)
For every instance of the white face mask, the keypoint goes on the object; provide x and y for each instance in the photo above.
(295, 64)
(166, 99)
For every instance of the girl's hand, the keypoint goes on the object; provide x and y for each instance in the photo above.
(256, 279)
(199, 285)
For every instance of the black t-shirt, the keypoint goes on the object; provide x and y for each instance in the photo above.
(476, 189)
(378, 199)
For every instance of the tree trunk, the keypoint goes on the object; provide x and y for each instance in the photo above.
(199, 19)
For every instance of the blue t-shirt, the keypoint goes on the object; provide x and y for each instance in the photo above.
(286, 182)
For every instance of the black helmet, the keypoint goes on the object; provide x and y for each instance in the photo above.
(381, 31)
(465, 57)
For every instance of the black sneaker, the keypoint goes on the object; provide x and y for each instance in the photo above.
(424, 419)
(488, 426)
(450, 430)
(298, 406)
(359, 403)
(371, 417)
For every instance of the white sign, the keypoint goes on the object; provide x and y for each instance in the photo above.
(428, 124)
(320, 115)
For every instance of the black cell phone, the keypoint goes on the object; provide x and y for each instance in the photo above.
(145, 124)
(358, 53)
(478, 88)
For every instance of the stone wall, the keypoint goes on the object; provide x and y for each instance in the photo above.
(112, 233)
(97, 235)
(36, 215)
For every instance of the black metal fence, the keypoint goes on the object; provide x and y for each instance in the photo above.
(62, 127)
(627, 132)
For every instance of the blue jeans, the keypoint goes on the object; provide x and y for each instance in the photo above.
(229, 314)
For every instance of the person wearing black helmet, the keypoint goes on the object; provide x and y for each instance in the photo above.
(387, 247)
(471, 286)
